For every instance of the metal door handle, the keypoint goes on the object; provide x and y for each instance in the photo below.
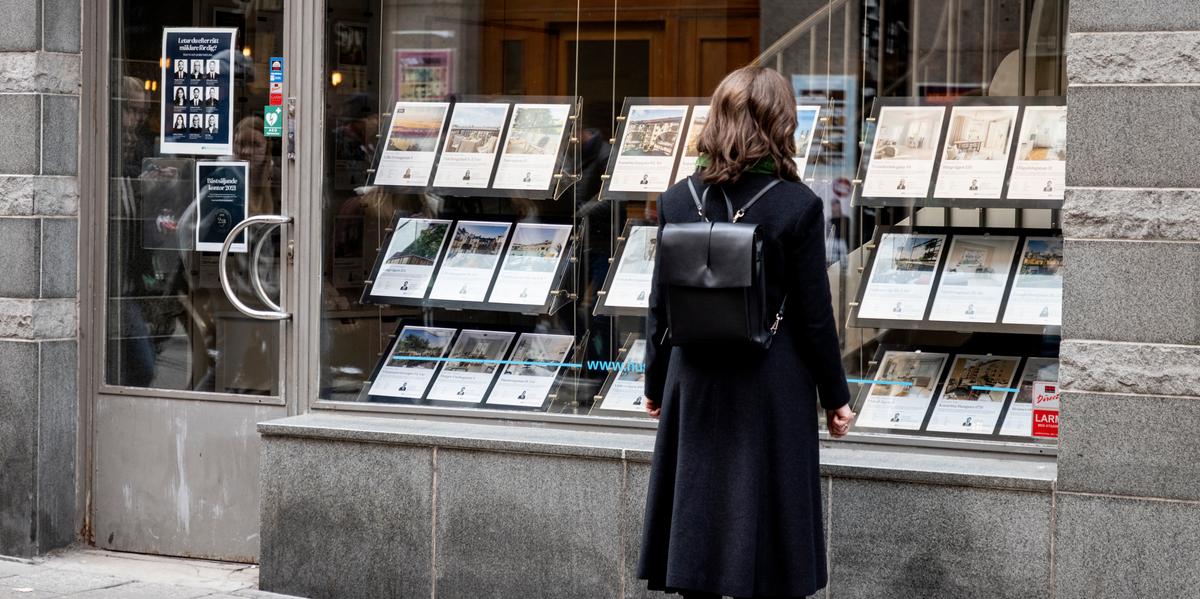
(276, 312)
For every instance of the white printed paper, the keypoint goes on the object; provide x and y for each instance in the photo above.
(411, 144)
(472, 364)
(532, 260)
(902, 276)
(902, 388)
(410, 257)
(974, 394)
(806, 129)
(1040, 169)
(906, 142)
(691, 150)
(975, 158)
(470, 261)
(1036, 296)
(630, 286)
(629, 386)
(973, 279)
(1018, 421)
(531, 147)
(531, 371)
(646, 157)
(412, 362)
(471, 145)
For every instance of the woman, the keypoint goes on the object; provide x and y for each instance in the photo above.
(734, 502)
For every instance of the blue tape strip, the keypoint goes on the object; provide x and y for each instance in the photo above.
(871, 382)
(477, 361)
(983, 388)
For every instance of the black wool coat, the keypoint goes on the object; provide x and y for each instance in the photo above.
(734, 501)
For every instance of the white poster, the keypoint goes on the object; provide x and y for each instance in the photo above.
(196, 101)
(628, 388)
(973, 279)
(1018, 421)
(630, 286)
(531, 147)
(974, 394)
(410, 257)
(902, 276)
(411, 144)
(412, 362)
(806, 130)
(691, 149)
(906, 142)
(1040, 169)
(471, 145)
(900, 393)
(527, 274)
(534, 365)
(975, 158)
(471, 259)
(646, 157)
(471, 366)
(1036, 296)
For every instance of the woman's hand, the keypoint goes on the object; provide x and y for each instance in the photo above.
(652, 407)
(839, 421)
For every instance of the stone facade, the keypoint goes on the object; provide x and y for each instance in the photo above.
(1127, 498)
(39, 230)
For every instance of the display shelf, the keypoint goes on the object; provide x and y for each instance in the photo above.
(930, 199)
(564, 174)
(926, 322)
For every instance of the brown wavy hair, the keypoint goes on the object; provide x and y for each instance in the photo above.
(752, 116)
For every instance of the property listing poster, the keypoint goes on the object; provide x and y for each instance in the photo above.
(975, 159)
(531, 371)
(527, 274)
(646, 157)
(1036, 296)
(531, 148)
(630, 286)
(197, 91)
(410, 257)
(807, 118)
(222, 193)
(974, 276)
(629, 386)
(1018, 421)
(691, 146)
(901, 390)
(473, 363)
(906, 142)
(471, 145)
(902, 277)
(1040, 169)
(974, 394)
(411, 363)
(411, 144)
(470, 261)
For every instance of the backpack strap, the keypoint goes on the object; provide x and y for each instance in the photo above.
(736, 216)
(696, 199)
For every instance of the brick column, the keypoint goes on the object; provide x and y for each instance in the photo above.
(39, 228)
(1128, 506)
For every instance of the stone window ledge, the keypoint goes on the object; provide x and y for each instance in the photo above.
(843, 460)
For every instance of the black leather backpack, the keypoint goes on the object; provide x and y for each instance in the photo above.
(716, 289)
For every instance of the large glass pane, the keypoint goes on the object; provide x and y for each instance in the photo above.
(168, 324)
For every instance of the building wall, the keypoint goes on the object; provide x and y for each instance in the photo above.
(1128, 501)
(39, 200)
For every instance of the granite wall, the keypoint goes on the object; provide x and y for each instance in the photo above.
(39, 229)
(1128, 500)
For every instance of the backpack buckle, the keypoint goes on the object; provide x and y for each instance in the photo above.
(775, 325)
(738, 215)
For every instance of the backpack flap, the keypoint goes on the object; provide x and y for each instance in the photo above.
(709, 255)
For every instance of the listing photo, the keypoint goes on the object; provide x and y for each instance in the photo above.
(1043, 134)
(652, 130)
(980, 378)
(537, 248)
(1043, 370)
(538, 354)
(691, 147)
(1042, 262)
(638, 255)
(633, 368)
(979, 261)
(475, 128)
(806, 119)
(416, 127)
(980, 133)
(536, 129)
(476, 245)
(416, 242)
(907, 259)
(478, 348)
(908, 374)
(420, 342)
(907, 133)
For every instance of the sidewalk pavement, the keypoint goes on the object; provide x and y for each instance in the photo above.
(86, 573)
